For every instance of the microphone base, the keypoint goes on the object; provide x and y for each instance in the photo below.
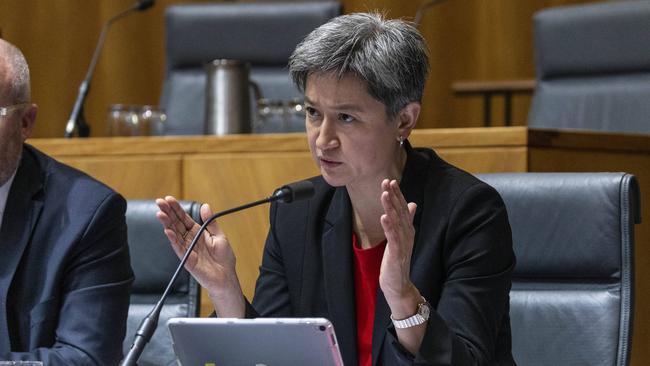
(84, 130)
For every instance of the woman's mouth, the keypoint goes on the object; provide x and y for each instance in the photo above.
(327, 163)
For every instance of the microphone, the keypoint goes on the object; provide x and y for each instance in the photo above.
(77, 122)
(292, 192)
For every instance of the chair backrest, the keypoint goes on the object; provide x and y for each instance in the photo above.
(154, 262)
(264, 34)
(593, 67)
(572, 294)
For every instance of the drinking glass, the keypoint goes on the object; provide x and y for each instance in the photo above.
(270, 116)
(295, 115)
(155, 118)
(135, 120)
(279, 116)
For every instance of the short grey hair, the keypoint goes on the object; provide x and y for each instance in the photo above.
(12, 58)
(389, 55)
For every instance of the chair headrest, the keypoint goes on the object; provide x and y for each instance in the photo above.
(569, 225)
(607, 37)
(260, 33)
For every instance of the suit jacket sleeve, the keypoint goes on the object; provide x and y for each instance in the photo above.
(95, 295)
(478, 262)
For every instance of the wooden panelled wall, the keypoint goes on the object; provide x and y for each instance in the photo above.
(468, 39)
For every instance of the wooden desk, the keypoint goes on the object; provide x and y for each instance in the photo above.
(227, 171)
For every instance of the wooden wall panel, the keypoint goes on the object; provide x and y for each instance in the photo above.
(134, 177)
(229, 180)
(487, 160)
(469, 39)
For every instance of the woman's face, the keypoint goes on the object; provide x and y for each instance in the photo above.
(351, 137)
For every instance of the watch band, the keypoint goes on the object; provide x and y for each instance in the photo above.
(420, 317)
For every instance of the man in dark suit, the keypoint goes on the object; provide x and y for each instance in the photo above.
(65, 273)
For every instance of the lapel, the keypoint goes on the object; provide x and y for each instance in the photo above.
(339, 273)
(21, 213)
(412, 186)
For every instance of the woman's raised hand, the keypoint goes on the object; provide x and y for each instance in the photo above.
(394, 275)
(212, 262)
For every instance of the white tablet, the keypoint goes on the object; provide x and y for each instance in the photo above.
(254, 342)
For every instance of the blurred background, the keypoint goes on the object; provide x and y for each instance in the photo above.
(469, 40)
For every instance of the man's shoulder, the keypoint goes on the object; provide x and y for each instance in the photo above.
(63, 187)
(59, 176)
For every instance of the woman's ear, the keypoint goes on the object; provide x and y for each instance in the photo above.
(407, 118)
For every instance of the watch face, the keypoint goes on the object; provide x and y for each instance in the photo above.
(424, 310)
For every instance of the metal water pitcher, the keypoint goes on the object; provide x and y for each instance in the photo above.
(228, 102)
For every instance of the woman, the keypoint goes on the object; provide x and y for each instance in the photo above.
(408, 256)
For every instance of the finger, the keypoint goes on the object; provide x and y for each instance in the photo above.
(163, 206)
(170, 218)
(174, 237)
(184, 218)
(164, 220)
(397, 220)
(390, 203)
(399, 244)
(398, 199)
(385, 184)
(213, 228)
(177, 244)
(180, 248)
(181, 220)
(412, 207)
(392, 236)
(392, 209)
(390, 220)
(168, 223)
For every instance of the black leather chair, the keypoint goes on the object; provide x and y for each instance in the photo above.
(572, 296)
(593, 67)
(153, 263)
(264, 34)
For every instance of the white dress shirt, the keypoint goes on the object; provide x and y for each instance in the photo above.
(4, 194)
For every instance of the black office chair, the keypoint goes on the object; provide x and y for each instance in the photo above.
(264, 34)
(572, 295)
(593, 67)
(154, 262)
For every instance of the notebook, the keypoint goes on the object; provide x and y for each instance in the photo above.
(254, 342)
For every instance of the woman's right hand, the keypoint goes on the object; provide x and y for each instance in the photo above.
(212, 261)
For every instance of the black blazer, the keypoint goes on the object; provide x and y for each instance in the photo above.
(65, 273)
(462, 263)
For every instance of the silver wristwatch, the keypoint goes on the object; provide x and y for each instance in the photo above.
(420, 317)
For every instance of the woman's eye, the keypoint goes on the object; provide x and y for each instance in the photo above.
(311, 112)
(346, 117)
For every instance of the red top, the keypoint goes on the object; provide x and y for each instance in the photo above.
(367, 263)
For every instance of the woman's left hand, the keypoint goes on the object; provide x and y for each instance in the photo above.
(394, 276)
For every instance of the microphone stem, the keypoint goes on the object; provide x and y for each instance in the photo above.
(422, 9)
(150, 322)
(77, 120)
(100, 42)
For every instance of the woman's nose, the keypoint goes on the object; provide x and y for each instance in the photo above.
(327, 137)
